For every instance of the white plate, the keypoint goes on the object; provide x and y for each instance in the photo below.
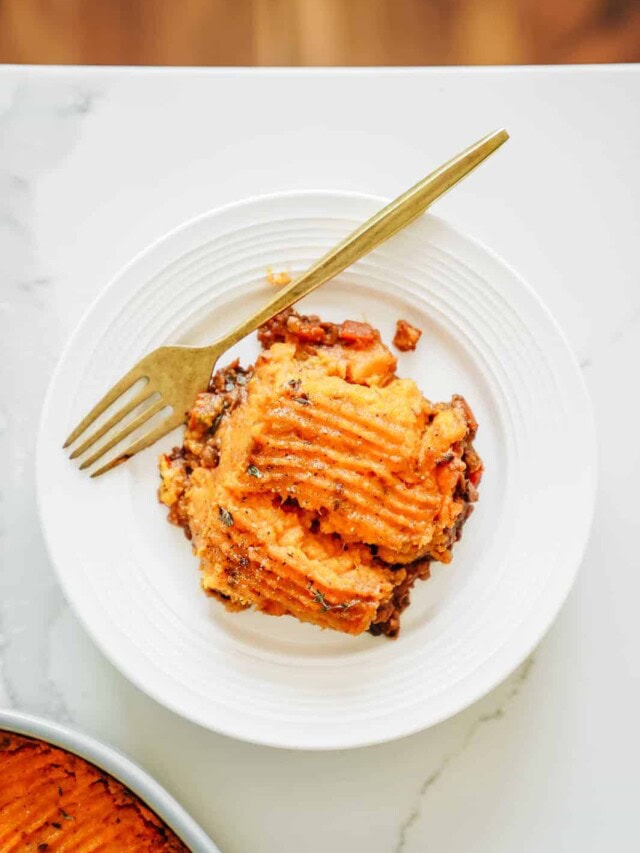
(132, 579)
(117, 765)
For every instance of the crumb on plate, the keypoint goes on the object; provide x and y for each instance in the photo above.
(406, 337)
(278, 279)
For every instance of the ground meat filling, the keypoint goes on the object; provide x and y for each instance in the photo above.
(227, 389)
(406, 337)
(291, 327)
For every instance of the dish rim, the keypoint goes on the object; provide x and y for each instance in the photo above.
(116, 764)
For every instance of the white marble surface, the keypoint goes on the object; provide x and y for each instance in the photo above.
(95, 164)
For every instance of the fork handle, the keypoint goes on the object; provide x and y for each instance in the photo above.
(373, 232)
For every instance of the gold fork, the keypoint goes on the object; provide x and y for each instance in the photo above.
(174, 375)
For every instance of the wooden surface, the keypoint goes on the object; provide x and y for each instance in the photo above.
(319, 32)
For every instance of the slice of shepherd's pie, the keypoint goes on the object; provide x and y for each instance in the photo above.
(317, 483)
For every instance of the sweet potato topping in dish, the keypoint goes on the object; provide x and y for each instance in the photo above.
(53, 800)
(406, 337)
(317, 483)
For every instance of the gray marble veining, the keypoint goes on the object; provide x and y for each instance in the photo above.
(38, 129)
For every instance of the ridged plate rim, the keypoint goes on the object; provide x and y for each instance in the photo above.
(494, 669)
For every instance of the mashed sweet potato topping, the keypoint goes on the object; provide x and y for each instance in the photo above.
(53, 800)
(319, 484)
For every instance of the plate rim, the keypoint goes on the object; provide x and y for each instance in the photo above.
(466, 693)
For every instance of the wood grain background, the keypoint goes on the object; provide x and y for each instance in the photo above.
(319, 32)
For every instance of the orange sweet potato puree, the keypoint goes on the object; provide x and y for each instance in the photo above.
(321, 486)
(52, 800)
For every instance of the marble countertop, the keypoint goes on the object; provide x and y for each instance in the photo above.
(97, 163)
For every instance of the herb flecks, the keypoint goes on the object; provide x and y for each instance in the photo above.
(225, 516)
(59, 791)
(56, 824)
(254, 471)
(320, 598)
(65, 815)
(213, 429)
(236, 377)
(303, 399)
